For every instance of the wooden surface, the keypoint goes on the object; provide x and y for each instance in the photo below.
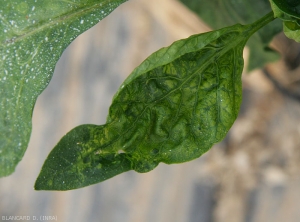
(252, 176)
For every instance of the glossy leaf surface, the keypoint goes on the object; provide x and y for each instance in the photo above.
(220, 13)
(33, 34)
(171, 109)
(289, 12)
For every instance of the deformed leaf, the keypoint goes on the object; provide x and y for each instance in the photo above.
(171, 109)
(292, 30)
(33, 34)
(289, 12)
(220, 13)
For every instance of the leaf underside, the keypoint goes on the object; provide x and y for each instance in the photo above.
(171, 109)
(220, 13)
(289, 12)
(33, 35)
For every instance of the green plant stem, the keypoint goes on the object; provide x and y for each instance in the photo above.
(254, 27)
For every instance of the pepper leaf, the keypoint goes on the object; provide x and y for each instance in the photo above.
(33, 35)
(289, 12)
(173, 107)
(220, 13)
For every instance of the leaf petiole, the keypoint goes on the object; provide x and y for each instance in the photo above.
(254, 27)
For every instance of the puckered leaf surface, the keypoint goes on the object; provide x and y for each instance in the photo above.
(171, 109)
(220, 13)
(33, 34)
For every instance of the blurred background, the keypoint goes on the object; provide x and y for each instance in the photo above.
(252, 176)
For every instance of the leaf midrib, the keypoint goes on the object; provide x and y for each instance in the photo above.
(57, 20)
(203, 67)
(219, 53)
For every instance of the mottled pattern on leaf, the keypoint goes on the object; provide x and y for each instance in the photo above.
(33, 35)
(172, 108)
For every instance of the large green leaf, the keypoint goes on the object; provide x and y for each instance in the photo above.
(172, 108)
(33, 34)
(289, 12)
(220, 13)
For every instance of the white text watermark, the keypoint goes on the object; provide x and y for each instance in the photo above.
(29, 218)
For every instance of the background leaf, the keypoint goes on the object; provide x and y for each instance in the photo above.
(289, 12)
(220, 13)
(172, 108)
(33, 34)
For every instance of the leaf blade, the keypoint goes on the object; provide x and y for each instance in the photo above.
(289, 12)
(33, 36)
(172, 108)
